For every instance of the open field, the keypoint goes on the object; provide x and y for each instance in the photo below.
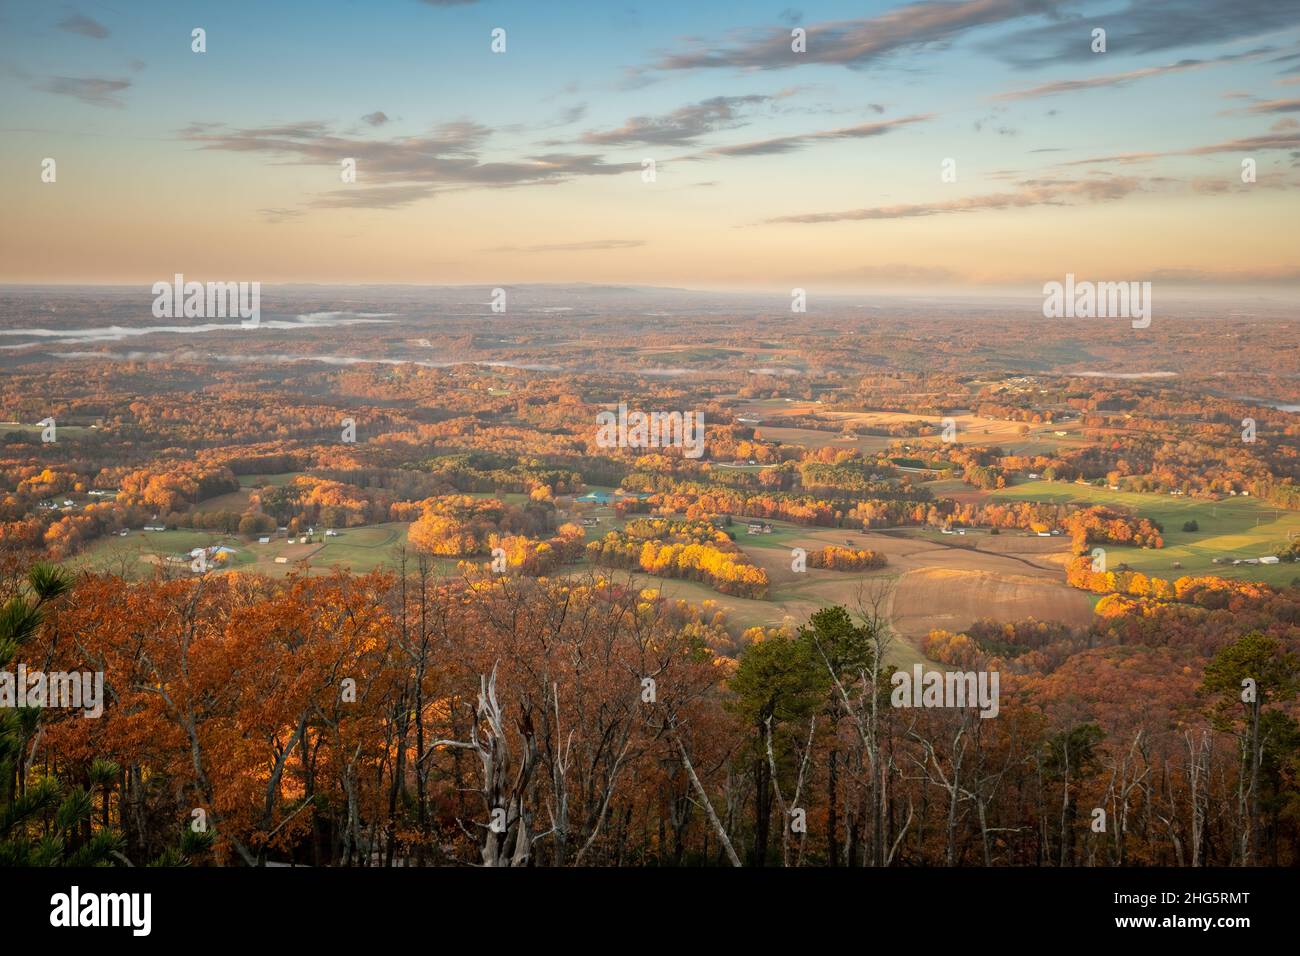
(140, 550)
(61, 432)
(933, 580)
(359, 549)
(276, 480)
(1012, 436)
(929, 598)
(1231, 528)
(231, 501)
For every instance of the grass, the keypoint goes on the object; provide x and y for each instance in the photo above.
(946, 487)
(752, 469)
(60, 431)
(361, 549)
(1231, 528)
(113, 553)
(275, 481)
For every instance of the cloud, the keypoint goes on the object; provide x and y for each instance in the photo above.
(89, 89)
(682, 126)
(858, 43)
(1281, 274)
(786, 144)
(279, 215)
(898, 273)
(377, 118)
(571, 115)
(1124, 79)
(1037, 192)
(1277, 139)
(373, 197)
(77, 23)
(593, 245)
(1274, 106)
(1144, 26)
(393, 172)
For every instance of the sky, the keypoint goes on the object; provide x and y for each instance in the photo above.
(962, 145)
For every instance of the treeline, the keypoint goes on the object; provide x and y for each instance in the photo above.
(398, 719)
(835, 558)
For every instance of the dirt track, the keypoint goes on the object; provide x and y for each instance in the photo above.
(938, 584)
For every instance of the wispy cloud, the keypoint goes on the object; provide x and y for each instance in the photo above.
(1124, 79)
(682, 126)
(1275, 139)
(1274, 106)
(279, 215)
(394, 172)
(786, 144)
(1041, 192)
(593, 245)
(1144, 26)
(97, 91)
(84, 25)
(858, 43)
